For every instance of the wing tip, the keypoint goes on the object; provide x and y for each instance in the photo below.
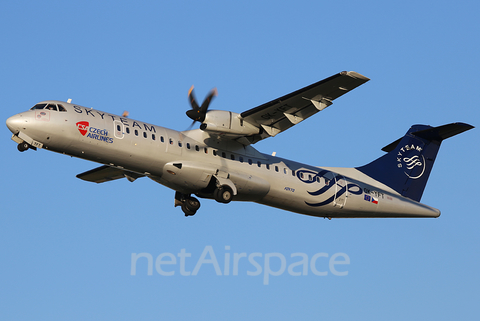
(354, 74)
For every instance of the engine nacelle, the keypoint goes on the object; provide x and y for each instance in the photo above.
(227, 122)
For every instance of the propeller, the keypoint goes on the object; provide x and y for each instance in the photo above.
(198, 113)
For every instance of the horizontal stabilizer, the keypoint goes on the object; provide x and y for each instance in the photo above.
(107, 173)
(443, 132)
(434, 134)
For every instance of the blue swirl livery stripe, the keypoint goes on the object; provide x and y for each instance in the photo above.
(350, 187)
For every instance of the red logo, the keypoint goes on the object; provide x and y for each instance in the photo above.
(82, 127)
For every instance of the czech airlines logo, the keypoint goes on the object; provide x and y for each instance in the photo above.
(94, 133)
(409, 158)
(82, 127)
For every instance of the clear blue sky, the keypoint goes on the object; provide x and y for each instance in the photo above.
(66, 244)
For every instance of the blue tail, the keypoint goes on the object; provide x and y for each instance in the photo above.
(410, 159)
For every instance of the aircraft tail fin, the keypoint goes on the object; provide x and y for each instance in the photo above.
(410, 159)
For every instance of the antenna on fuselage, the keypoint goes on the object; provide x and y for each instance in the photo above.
(69, 100)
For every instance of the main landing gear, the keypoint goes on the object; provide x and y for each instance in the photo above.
(190, 205)
(223, 194)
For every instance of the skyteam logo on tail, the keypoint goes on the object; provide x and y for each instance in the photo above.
(410, 159)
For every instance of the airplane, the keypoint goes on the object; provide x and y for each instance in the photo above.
(217, 161)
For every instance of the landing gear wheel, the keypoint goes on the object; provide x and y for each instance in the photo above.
(223, 194)
(190, 206)
(186, 210)
(23, 147)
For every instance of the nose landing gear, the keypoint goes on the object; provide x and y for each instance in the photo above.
(23, 146)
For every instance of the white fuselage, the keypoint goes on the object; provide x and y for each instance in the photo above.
(186, 162)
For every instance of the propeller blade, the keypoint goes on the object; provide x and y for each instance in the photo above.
(207, 100)
(199, 113)
(191, 126)
(192, 99)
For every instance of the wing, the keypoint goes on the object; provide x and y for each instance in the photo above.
(107, 173)
(282, 113)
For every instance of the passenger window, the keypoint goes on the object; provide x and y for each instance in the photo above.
(153, 136)
(161, 139)
(118, 128)
(276, 168)
(285, 171)
(170, 141)
(197, 148)
(232, 157)
(188, 145)
(145, 134)
(240, 159)
(214, 152)
(267, 166)
(128, 130)
(293, 172)
(224, 155)
(136, 132)
(318, 179)
(61, 108)
(206, 150)
(259, 164)
(250, 162)
(179, 144)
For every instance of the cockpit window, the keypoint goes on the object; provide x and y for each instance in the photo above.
(38, 106)
(51, 107)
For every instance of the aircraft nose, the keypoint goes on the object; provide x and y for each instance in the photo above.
(14, 123)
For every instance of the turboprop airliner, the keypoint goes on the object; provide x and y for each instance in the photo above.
(217, 161)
